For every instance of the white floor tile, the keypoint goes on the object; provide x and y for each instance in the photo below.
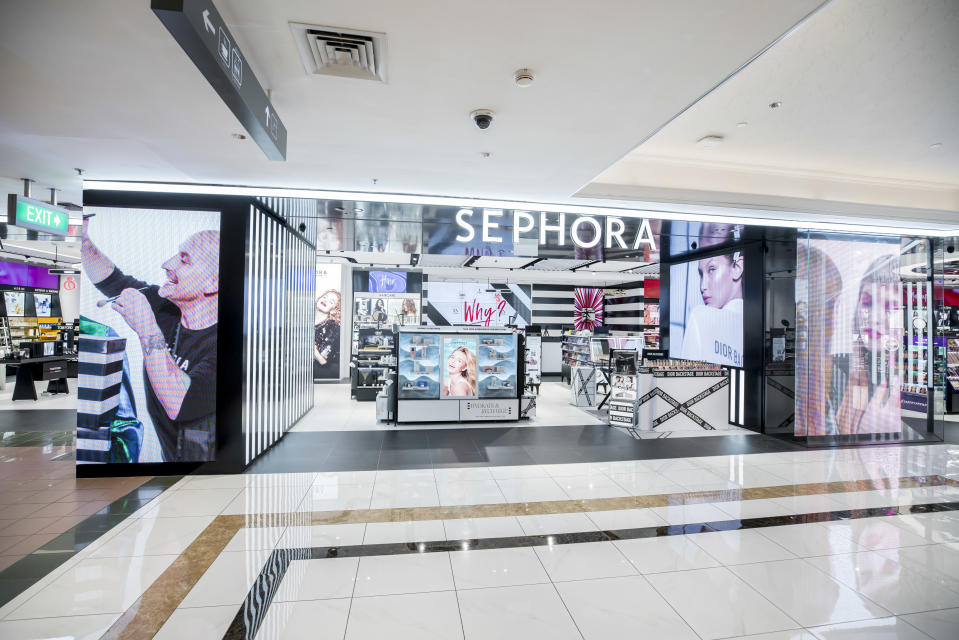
(417, 616)
(717, 604)
(520, 613)
(583, 561)
(199, 622)
(590, 486)
(516, 472)
(667, 553)
(744, 509)
(740, 547)
(228, 579)
(271, 499)
(886, 582)
(402, 494)
(456, 492)
(318, 579)
(323, 535)
(875, 533)
(626, 608)
(935, 527)
(691, 513)
(253, 538)
(884, 628)
(938, 562)
(808, 595)
(191, 502)
(497, 568)
(412, 573)
(90, 627)
(810, 504)
(811, 539)
(473, 528)
(336, 497)
(625, 519)
(95, 586)
(305, 620)
(409, 531)
(791, 634)
(399, 476)
(531, 490)
(645, 483)
(939, 625)
(154, 536)
(550, 523)
(462, 473)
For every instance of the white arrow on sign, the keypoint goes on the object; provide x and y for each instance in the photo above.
(207, 22)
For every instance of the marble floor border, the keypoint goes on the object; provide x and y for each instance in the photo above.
(148, 614)
(258, 600)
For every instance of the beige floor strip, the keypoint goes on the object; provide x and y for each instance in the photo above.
(148, 614)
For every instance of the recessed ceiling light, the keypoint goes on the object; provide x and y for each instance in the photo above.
(485, 154)
(775, 105)
(238, 136)
(936, 145)
(357, 209)
(709, 142)
(741, 124)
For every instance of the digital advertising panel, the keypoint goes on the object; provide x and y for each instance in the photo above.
(497, 366)
(149, 299)
(849, 337)
(706, 310)
(459, 367)
(480, 304)
(327, 320)
(418, 374)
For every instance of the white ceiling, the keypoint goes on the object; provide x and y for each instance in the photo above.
(101, 85)
(866, 87)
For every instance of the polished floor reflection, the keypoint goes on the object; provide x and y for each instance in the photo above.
(854, 543)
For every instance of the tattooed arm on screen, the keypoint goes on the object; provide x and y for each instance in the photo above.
(97, 265)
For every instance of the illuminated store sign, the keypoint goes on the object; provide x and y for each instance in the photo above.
(28, 213)
(584, 232)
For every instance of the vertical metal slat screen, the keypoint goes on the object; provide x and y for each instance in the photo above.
(277, 320)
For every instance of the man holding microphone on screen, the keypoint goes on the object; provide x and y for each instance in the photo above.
(176, 323)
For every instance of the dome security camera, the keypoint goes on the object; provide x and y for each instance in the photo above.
(482, 118)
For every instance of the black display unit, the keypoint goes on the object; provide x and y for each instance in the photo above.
(374, 363)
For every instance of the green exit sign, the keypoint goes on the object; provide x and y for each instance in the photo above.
(28, 213)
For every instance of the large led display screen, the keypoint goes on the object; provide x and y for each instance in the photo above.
(497, 366)
(418, 373)
(26, 275)
(149, 297)
(480, 304)
(459, 367)
(387, 282)
(706, 309)
(849, 337)
(327, 320)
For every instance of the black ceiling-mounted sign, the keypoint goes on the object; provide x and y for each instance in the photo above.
(198, 28)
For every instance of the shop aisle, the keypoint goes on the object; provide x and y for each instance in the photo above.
(334, 410)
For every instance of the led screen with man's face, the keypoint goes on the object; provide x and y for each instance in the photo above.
(149, 301)
(706, 309)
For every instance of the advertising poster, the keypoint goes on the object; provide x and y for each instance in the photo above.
(706, 310)
(149, 300)
(387, 282)
(419, 367)
(849, 337)
(14, 302)
(43, 304)
(497, 366)
(480, 304)
(387, 308)
(587, 308)
(624, 387)
(459, 367)
(386, 236)
(327, 320)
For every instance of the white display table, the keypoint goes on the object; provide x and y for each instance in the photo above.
(683, 400)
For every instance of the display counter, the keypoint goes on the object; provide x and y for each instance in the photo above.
(458, 374)
(682, 399)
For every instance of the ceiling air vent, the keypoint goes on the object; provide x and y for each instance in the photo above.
(330, 51)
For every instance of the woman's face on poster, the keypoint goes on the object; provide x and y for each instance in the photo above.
(456, 363)
(879, 314)
(326, 303)
(720, 280)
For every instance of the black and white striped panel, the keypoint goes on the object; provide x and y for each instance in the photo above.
(280, 278)
(295, 212)
(553, 305)
(517, 295)
(625, 313)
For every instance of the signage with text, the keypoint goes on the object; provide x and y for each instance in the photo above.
(199, 29)
(28, 213)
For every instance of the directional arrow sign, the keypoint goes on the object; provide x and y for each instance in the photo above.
(199, 29)
(28, 213)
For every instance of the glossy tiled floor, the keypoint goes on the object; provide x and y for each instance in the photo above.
(855, 543)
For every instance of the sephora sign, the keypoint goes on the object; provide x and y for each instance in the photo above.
(553, 229)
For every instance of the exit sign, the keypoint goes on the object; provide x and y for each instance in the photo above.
(28, 213)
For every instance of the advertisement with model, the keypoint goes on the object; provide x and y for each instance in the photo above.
(327, 320)
(149, 300)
